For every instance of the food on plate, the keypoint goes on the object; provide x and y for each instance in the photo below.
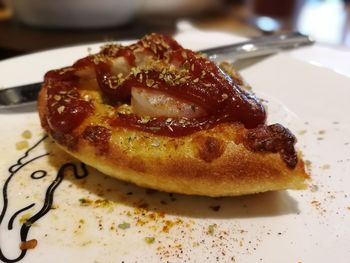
(164, 117)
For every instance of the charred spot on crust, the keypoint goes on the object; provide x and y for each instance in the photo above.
(98, 136)
(273, 138)
(69, 140)
(209, 148)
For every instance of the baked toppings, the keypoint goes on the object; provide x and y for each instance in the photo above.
(156, 64)
(167, 90)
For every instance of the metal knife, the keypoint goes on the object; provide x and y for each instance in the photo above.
(23, 95)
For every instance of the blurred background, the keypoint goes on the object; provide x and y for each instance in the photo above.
(33, 25)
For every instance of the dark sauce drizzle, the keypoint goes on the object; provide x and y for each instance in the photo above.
(13, 217)
(36, 175)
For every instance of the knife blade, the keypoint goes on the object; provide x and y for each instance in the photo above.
(25, 95)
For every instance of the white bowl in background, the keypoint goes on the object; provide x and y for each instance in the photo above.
(177, 7)
(74, 13)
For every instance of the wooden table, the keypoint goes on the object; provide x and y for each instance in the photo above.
(17, 39)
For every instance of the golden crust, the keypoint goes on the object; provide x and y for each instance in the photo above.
(211, 162)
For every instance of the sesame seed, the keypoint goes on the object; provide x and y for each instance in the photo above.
(60, 109)
(182, 121)
(27, 134)
(22, 145)
(144, 119)
(149, 82)
(155, 143)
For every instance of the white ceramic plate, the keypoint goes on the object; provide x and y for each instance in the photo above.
(99, 219)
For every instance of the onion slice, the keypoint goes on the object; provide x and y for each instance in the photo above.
(154, 103)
